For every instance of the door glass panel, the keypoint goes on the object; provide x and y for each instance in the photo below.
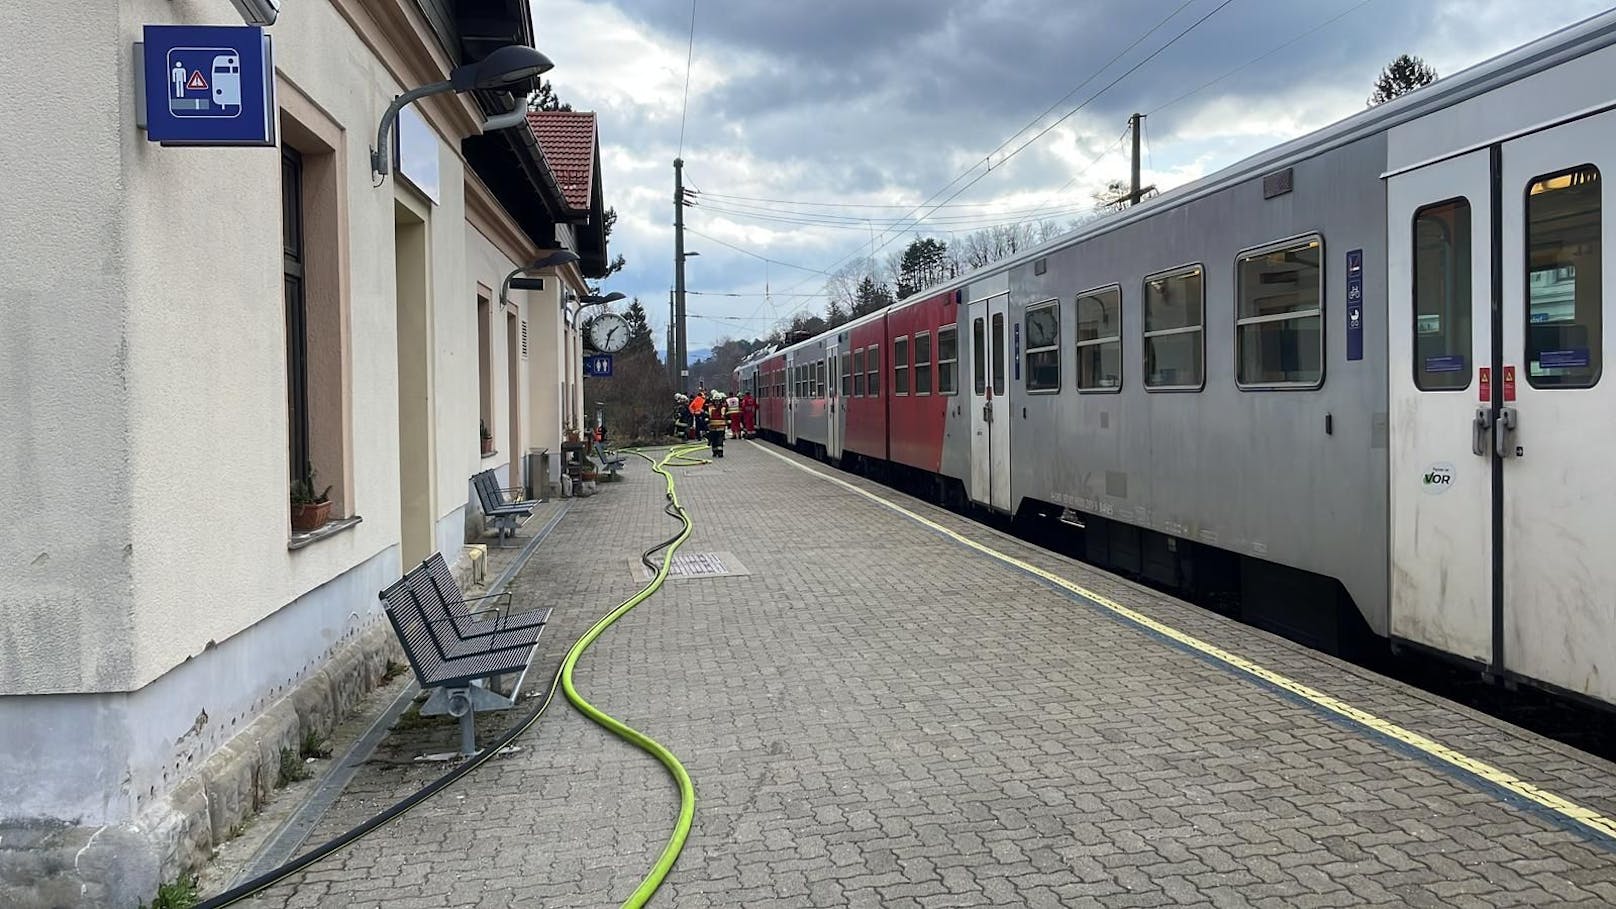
(1442, 302)
(979, 352)
(1563, 315)
(998, 353)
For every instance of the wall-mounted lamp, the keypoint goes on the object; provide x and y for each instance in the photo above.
(508, 65)
(597, 300)
(551, 259)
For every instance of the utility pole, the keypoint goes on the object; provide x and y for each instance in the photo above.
(673, 377)
(1135, 191)
(683, 365)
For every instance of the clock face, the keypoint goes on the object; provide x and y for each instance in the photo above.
(608, 332)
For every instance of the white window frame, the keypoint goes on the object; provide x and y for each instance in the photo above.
(954, 330)
(1199, 328)
(1296, 242)
(1026, 355)
(904, 367)
(1077, 320)
(914, 374)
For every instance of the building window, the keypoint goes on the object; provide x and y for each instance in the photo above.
(923, 363)
(1563, 274)
(300, 458)
(900, 366)
(872, 372)
(1099, 340)
(485, 369)
(1174, 310)
(1279, 319)
(948, 361)
(858, 373)
(1043, 347)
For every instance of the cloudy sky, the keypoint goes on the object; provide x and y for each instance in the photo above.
(813, 130)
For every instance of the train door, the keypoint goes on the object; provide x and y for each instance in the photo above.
(793, 390)
(1439, 275)
(833, 417)
(990, 413)
(1555, 428)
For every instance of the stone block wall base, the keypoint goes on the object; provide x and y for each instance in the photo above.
(53, 865)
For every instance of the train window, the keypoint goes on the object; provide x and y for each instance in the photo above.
(847, 375)
(923, 363)
(1099, 340)
(1043, 347)
(1563, 275)
(858, 373)
(1279, 319)
(900, 366)
(873, 372)
(948, 361)
(1442, 304)
(979, 358)
(998, 354)
(819, 380)
(1174, 311)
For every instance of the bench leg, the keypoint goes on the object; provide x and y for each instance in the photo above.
(468, 732)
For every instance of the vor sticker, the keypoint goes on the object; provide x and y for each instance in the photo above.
(1438, 479)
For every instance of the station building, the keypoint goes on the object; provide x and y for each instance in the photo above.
(186, 333)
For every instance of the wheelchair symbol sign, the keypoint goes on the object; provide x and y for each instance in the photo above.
(204, 82)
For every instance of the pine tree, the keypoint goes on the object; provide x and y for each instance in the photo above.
(1400, 77)
(545, 99)
(640, 338)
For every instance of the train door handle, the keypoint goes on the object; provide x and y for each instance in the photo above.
(1480, 428)
(987, 412)
(1504, 432)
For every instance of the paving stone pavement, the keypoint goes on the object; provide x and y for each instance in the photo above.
(876, 716)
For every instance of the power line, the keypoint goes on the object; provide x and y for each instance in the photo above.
(753, 295)
(754, 255)
(690, 54)
(1064, 117)
(1258, 59)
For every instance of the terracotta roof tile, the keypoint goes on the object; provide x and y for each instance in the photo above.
(567, 139)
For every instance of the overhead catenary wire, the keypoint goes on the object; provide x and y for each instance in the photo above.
(1070, 113)
(690, 55)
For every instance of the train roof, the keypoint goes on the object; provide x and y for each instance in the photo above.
(1551, 50)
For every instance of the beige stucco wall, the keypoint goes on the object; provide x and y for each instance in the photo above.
(65, 393)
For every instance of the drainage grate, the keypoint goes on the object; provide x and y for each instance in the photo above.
(697, 565)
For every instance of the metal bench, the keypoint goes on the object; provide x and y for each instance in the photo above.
(610, 461)
(451, 650)
(505, 514)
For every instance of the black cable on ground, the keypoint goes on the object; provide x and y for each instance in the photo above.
(399, 809)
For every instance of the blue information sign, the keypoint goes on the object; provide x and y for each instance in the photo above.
(209, 85)
(598, 366)
(1355, 301)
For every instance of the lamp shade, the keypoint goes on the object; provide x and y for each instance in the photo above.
(505, 66)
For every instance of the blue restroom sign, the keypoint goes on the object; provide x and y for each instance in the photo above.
(209, 85)
(598, 366)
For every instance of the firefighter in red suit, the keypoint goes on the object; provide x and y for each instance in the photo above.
(749, 409)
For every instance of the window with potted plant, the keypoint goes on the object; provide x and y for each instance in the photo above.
(311, 510)
(487, 437)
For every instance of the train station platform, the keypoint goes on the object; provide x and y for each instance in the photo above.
(882, 703)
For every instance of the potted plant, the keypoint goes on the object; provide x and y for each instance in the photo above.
(310, 509)
(572, 433)
(487, 437)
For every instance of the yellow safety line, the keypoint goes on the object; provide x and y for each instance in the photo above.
(1585, 817)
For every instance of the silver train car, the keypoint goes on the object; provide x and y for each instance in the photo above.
(1353, 382)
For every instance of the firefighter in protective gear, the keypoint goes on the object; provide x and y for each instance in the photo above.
(717, 423)
(681, 416)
